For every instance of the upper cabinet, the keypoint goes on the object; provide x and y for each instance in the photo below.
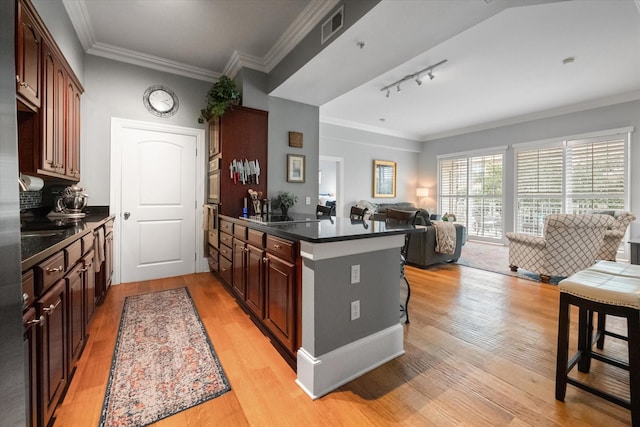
(28, 57)
(48, 94)
(239, 137)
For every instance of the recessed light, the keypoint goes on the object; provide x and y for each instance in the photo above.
(568, 60)
(382, 119)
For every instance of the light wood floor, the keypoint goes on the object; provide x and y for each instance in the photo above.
(480, 350)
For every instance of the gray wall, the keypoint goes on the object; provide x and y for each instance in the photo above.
(12, 365)
(115, 89)
(359, 149)
(597, 119)
(286, 116)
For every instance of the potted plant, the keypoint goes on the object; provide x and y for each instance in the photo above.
(221, 96)
(285, 200)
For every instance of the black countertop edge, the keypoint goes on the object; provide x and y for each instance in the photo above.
(284, 231)
(44, 247)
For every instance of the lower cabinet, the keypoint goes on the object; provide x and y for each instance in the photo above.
(239, 265)
(52, 349)
(89, 278)
(254, 295)
(76, 296)
(31, 368)
(280, 298)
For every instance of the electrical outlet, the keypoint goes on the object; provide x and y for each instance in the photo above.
(355, 274)
(355, 309)
(307, 200)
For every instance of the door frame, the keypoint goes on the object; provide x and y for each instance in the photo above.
(115, 192)
(339, 161)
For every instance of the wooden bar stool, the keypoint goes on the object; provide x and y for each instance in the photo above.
(594, 291)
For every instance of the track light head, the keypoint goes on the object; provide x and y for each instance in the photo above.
(387, 93)
(418, 81)
(398, 88)
(431, 76)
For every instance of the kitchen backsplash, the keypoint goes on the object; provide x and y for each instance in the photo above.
(38, 199)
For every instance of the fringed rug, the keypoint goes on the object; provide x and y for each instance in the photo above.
(163, 362)
(495, 258)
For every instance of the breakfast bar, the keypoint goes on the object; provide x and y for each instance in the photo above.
(349, 310)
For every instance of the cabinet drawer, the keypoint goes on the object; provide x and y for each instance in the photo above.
(28, 289)
(225, 251)
(87, 243)
(284, 249)
(213, 238)
(256, 238)
(225, 270)
(214, 263)
(49, 271)
(226, 226)
(240, 231)
(226, 239)
(73, 253)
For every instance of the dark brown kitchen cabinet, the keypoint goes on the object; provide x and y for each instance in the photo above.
(76, 330)
(28, 57)
(280, 300)
(89, 279)
(254, 297)
(240, 134)
(49, 124)
(238, 281)
(30, 351)
(52, 345)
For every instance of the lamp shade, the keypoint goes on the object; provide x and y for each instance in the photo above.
(422, 192)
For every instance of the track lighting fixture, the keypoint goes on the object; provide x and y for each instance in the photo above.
(414, 76)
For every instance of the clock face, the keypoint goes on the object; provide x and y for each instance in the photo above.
(160, 101)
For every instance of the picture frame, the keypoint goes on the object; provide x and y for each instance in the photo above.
(295, 139)
(384, 178)
(295, 168)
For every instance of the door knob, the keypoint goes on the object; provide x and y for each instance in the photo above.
(127, 215)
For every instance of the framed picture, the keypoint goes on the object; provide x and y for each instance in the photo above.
(384, 178)
(295, 168)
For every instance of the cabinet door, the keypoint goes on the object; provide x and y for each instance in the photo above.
(72, 139)
(108, 260)
(214, 136)
(52, 349)
(238, 275)
(30, 352)
(29, 42)
(75, 293)
(255, 280)
(51, 121)
(280, 311)
(89, 278)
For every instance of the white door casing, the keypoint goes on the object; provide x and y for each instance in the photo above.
(157, 176)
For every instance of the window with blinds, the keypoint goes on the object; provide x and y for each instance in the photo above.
(471, 187)
(575, 176)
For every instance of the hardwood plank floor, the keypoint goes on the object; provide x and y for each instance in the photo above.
(480, 350)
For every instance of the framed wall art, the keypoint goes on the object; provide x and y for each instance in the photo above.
(295, 168)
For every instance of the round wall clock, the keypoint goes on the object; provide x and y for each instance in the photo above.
(160, 101)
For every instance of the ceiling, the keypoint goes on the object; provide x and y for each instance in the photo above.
(505, 58)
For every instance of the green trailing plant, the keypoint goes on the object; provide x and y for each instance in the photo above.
(221, 96)
(286, 199)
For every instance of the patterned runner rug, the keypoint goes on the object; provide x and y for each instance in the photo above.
(163, 362)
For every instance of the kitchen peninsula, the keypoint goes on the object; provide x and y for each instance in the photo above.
(326, 292)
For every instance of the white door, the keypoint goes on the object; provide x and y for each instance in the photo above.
(158, 204)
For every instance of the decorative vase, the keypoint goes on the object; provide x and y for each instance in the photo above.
(285, 210)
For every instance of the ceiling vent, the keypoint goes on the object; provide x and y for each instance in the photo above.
(332, 25)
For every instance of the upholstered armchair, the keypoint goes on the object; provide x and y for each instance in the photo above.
(570, 243)
(613, 236)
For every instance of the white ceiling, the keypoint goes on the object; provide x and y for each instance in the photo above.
(505, 57)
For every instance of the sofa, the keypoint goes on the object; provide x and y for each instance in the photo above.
(422, 246)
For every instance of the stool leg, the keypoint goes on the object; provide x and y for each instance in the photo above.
(562, 357)
(602, 320)
(633, 325)
(585, 330)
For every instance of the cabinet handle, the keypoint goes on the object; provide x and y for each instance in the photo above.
(17, 78)
(265, 260)
(51, 308)
(277, 246)
(23, 84)
(83, 270)
(25, 299)
(39, 321)
(50, 270)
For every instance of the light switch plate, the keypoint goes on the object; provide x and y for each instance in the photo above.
(355, 309)
(308, 200)
(355, 274)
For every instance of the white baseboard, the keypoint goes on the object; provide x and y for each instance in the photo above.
(320, 375)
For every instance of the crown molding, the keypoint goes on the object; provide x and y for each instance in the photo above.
(79, 17)
(315, 11)
(311, 16)
(153, 62)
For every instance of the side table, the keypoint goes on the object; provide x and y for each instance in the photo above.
(635, 251)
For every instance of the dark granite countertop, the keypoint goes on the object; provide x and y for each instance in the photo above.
(331, 229)
(39, 242)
